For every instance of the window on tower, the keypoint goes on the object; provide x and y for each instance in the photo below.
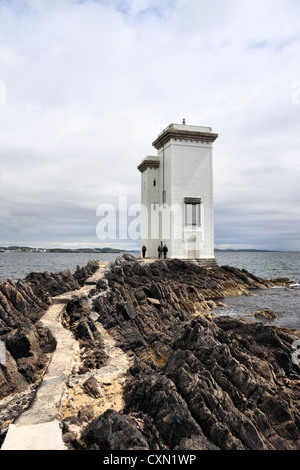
(192, 212)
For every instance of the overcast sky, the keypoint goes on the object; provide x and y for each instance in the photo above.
(87, 85)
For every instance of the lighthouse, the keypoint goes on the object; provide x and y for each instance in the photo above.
(177, 194)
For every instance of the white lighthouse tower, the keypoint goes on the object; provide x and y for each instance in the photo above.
(177, 194)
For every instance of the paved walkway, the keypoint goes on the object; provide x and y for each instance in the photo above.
(38, 428)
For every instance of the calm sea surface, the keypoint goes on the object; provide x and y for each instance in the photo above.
(285, 302)
(16, 265)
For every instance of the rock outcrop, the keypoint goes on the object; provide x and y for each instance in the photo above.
(195, 381)
(266, 314)
(28, 344)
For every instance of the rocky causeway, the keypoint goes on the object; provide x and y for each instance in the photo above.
(128, 355)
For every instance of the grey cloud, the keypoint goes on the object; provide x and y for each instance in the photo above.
(90, 84)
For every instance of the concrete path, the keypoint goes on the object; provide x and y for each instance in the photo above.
(38, 428)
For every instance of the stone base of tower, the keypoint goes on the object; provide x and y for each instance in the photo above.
(203, 262)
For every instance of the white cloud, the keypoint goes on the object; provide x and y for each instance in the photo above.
(89, 85)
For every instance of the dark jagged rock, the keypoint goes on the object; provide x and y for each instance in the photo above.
(29, 344)
(92, 387)
(147, 304)
(114, 431)
(266, 314)
(28, 299)
(203, 382)
(156, 396)
(18, 304)
(196, 381)
(27, 351)
(52, 283)
(77, 318)
(229, 383)
(11, 380)
(84, 272)
(23, 342)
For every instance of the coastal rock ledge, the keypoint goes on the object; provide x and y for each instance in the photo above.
(195, 381)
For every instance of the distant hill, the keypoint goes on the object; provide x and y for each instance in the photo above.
(245, 250)
(60, 250)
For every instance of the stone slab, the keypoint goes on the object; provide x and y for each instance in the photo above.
(43, 436)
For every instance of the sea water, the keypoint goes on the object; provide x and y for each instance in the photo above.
(285, 302)
(16, 265)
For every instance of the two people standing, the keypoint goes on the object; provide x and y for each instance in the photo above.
(162, 250)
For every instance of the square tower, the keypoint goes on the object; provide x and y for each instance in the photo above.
(177, 193)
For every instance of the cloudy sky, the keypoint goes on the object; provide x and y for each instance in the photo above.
(87, 85)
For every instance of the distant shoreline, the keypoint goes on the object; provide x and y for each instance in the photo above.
(27, 249)
(249, 250)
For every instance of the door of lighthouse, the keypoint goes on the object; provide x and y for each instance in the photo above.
(191, 248)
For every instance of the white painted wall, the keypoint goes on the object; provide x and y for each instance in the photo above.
(150, 201)
(188, 173)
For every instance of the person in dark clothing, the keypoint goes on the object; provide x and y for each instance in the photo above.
(159, 251)
(165, 251)
(144, 249)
